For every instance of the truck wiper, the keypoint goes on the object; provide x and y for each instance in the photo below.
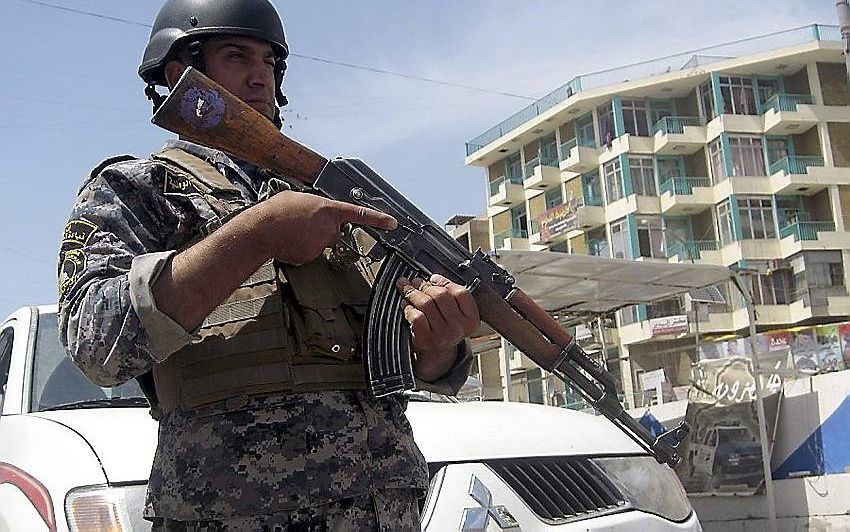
(99, 403)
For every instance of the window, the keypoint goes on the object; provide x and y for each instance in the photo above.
(535, 386)
(707, 99)
(725, 226)
(613, 180)
(777, 149)
(715, 159)
(513, 168)
(774, 289)
(606, 123)
(767, 88)
(668, 168)
(519, 221)
(650, 237)
(747, 156)
(642, 170)
(549, 151)
(621, 240)
(662, 309)
(597, 244)
(659, 109)
(825, 274)
(677, 231)
(6, 337)
(628, 315)
(584, 130)
(634, 118)
(756, 218)
(553, 196)
(592, 188)
(738, 95)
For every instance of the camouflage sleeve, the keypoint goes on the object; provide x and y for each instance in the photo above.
(109, 244)
(453, 380)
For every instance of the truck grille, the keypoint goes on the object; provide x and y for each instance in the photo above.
(558, 488)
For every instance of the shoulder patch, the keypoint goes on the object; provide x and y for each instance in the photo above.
(112, 160)
(175, 183)
(72, 259)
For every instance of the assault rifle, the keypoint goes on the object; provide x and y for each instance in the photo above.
(200, 110)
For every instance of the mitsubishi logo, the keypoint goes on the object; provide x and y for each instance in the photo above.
(477, 519)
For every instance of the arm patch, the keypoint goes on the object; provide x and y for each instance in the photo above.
(72, 259)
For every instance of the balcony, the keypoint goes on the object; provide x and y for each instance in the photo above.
(679, 135)
(511, 239)
(541, 172)
(692, 250)
(811, 236)
(686, 195)
(567, 220)
(786, 114)
(805, 175)
(506, 192)
(579, 155)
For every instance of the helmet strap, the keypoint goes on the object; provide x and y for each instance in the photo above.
(155, 97)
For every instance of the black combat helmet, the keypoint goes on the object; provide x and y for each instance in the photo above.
(183, 24)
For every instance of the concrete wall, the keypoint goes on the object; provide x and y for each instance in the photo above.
(810, 462)
(798, 83)
(839, 137)
(833, 83)
(808, 143)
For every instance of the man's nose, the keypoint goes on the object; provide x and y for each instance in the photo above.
(261, 75)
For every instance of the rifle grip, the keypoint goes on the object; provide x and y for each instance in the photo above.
(387, 340)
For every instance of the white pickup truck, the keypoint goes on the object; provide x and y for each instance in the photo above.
(74, 456)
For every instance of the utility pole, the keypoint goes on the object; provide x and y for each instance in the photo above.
(843, 9)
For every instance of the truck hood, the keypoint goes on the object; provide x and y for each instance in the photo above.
(123, 439)
(448, 432)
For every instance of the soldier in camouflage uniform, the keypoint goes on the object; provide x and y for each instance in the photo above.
(213, 280)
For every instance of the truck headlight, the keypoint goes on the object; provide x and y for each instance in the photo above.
(648, 485)
(117, 509)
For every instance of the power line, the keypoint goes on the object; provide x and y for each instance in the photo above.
(300, 56)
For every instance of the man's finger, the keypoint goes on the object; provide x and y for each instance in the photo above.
(364, 216)
(464, 299)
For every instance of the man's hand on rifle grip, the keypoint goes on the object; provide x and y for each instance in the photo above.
(441, 314)
(299, 226)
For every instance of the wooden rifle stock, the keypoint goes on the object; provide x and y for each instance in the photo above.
(202, 111)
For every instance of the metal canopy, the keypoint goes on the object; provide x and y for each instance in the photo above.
(584, 284)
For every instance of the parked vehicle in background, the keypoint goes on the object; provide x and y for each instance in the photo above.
(74, 456)
(730, 456)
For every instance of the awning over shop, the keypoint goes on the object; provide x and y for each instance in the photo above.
(584, 284)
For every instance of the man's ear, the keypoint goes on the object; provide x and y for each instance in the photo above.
(173, 70)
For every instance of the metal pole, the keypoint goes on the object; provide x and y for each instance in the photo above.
(765, 448)
(602, 342)
(843, 9)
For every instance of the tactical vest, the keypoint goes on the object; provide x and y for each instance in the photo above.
(286, 328)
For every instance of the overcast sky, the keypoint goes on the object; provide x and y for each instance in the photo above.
(71, 96)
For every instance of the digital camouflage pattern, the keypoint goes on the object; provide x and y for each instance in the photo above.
(249, 457)
(382, 510)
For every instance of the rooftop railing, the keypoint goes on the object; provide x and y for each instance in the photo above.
(654, 67)
(796, 165)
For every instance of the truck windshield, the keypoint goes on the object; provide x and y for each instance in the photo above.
(58, 384)
(735, 435)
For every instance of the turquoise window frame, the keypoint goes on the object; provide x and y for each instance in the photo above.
(619, 125)
(736, 218)
(719, 108)
(726, 148)
(626, 175)
(631, 223)
(688, 219)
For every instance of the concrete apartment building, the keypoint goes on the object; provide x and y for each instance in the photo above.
(738, 155)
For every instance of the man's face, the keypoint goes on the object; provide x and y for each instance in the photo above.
(245, 67)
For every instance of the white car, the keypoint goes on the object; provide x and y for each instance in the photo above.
(74, 456)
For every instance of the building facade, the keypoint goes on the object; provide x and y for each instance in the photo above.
(739, 157)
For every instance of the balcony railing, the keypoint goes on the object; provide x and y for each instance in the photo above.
(574, 142)
(684, 185)
(496, 183)
(538, 161)
(593, 201)
(499, 238)
(784, 102)
(691, 249)
(676, 124)
(805, 230)
(796, 165)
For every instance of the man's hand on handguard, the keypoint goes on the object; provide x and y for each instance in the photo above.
(300, 226)
(441, 314)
